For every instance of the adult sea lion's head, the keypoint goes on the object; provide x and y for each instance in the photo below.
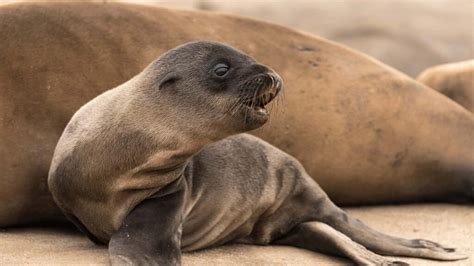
(213, 87)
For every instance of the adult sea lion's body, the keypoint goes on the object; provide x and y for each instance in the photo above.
(455, 80)
(364, 131)
(143, 167)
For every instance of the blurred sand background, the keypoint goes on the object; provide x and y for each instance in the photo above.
(409, 35)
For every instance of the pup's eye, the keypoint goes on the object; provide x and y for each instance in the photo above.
(221, 69)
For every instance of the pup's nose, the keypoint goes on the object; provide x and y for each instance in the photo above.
(261, 69)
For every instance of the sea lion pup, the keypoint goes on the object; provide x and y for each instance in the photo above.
(455, 80)
(350, 120)
(144, 168)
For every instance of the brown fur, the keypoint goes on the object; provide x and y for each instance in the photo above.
(455, 80)
(364, 131)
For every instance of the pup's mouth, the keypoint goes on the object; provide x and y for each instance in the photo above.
(258, 104)
(265, 88)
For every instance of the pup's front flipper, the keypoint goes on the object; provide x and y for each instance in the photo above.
(321, 237)
(150, 234)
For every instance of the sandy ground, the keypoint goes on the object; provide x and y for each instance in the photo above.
(448, 224)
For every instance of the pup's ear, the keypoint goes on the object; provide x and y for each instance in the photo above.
(168, 80)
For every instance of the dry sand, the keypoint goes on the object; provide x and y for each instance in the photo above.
(449, 224)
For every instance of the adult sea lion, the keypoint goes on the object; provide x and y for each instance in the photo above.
(455, 80)
(141, 167)
(364, 131)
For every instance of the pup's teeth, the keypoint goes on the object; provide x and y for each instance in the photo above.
(261, 110)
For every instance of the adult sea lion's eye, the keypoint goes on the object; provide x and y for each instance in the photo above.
(221, 69)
